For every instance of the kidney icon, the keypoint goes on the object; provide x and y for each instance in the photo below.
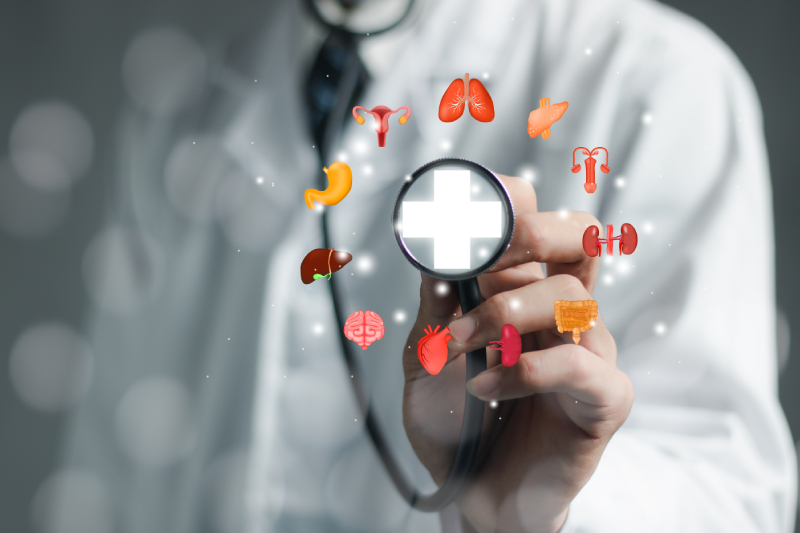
(470, 92)
(510, 345)
(364, 328)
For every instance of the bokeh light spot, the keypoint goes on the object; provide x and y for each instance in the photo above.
(51, 367)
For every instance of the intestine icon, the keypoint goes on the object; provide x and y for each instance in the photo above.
(382, 114)
(589, 163)
(364, 328)
(578, 317)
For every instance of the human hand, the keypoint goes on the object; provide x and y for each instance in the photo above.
(558, 406)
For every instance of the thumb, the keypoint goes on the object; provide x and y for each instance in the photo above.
(438, 300)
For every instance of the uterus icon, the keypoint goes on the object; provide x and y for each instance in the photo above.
(382, 114)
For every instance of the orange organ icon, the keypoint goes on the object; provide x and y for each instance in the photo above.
(576, 316)
(590, 186)
(540, 120)
(340, 179)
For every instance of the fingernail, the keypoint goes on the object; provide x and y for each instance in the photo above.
(463, 328)
(483, 385)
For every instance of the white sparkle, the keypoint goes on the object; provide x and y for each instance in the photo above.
(527, 173)
(514, 303)
(318, 329)
(623, 267)
(446, 145)
(343, 156)
(259, 180)
(659, 328)
(360, 146)
(619, 182)
(608, 279)
(648, 227)
(647, 118)
(367, 170)
(563, 213)
(442, 288)
(588, 51)
(365, 264)
(399, 316)
(486, 74)
(493, 404)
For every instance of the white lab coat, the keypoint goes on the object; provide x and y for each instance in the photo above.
(706, 447)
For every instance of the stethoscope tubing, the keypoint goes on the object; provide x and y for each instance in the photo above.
(314, 12)
(465, 459)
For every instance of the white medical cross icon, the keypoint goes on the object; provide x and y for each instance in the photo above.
(451, 219)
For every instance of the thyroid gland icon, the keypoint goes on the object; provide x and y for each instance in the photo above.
(382, 114)
(471, 92)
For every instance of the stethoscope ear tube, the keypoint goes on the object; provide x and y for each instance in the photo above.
(313, 10)
(469, 296)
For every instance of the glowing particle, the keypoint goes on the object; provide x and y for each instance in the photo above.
(442, 288)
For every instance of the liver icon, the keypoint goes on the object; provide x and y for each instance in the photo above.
(321, 263)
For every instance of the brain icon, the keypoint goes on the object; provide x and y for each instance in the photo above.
(364, 328)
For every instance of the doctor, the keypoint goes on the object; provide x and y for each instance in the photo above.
(686, 322)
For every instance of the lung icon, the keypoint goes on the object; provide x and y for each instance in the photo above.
(469, 92)
(364, 328)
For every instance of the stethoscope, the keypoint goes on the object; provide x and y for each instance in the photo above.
(482, 185)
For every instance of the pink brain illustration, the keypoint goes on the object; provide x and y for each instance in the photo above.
(364, 328)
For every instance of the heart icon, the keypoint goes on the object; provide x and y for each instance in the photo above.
(470, 92)
(432, 349)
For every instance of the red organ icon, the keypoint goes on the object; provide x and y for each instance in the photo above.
(627, 240)
(471, 92)
(432, 349)
(510, 345)
(589, 163)
(382, 114)
(364, 328)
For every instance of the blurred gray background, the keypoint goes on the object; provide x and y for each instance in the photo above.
(72, 52)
